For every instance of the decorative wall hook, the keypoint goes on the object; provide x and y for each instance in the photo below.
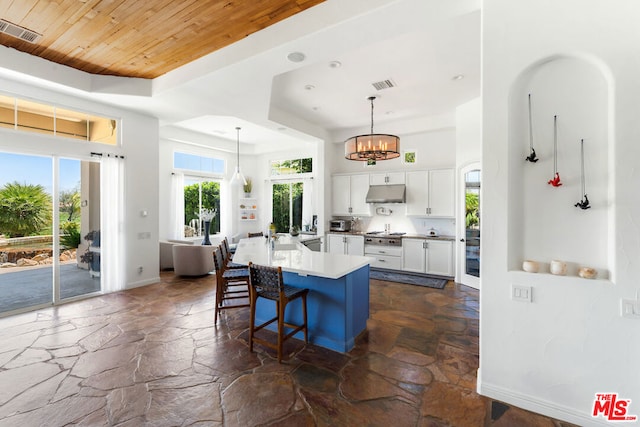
(584, 202)
(532, 153)
(555, 181)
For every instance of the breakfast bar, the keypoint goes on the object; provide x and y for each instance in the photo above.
(338, 301)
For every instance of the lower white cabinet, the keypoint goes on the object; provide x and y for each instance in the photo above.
(428, 256)
(345, 244)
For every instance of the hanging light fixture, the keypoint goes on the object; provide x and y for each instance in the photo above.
(372, 147)
(237, 176)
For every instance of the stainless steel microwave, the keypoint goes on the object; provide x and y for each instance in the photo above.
(339, 225)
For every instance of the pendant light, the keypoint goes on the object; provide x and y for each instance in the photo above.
(372, 147)
(237, 176)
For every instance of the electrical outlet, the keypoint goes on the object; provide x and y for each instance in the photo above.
(140, 269)
(521, 293)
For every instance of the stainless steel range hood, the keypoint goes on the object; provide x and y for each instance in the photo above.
(395, 193)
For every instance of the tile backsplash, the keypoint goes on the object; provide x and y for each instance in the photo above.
(399, 222)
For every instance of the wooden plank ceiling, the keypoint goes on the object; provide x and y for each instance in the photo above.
(138, 38)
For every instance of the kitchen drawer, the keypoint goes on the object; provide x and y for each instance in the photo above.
(386, 261)
(383, 250)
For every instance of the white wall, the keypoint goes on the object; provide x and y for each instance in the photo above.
(139, 146)
(468, 133)
(554, 354)
(252, 166)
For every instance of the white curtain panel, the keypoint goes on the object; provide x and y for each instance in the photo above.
(176, 216)
(112, 224)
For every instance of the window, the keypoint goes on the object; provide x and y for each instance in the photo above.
(200, 194)
(287, 205)
(30, 116)
(290, 167)
(195, 163)
(200, 190)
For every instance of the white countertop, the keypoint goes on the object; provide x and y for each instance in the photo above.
(294, 257)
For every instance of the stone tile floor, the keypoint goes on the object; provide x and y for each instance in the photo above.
(152, 357)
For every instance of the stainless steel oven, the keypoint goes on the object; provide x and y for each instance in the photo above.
(386, 249)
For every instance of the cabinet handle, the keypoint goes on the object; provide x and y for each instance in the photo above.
(382, 252)
(381, 260)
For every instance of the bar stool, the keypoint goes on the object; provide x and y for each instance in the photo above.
(266, 282)
(227, 256)
(231, 284)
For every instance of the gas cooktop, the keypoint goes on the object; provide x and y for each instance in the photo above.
(382, 233)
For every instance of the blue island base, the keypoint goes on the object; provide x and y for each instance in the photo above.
(337, 309)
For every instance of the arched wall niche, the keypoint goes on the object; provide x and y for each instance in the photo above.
(543, 223)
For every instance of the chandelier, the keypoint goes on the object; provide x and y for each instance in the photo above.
(372, 147)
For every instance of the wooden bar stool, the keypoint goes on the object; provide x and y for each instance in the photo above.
(266, 282)
(227, 256)
(231, 284)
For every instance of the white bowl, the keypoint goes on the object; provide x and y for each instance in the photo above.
(530, 266)
(587, 273)
(557, 267)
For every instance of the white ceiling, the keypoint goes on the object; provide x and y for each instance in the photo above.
(419, 44)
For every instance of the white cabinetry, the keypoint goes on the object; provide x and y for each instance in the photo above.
(348, 195)
(345, 244)
(428, 256)
(431, 193)
(389, 178)
(384, 257)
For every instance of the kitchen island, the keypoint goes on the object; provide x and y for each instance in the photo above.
(338, 300)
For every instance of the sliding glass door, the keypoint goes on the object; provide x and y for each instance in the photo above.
(26, 245)
(49, 230)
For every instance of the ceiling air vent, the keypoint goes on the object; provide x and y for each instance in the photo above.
(384, 84)
(19, 32)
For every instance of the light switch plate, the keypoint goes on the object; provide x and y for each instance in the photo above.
(630, 308)
(521, 293)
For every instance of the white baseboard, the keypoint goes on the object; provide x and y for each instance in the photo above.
(145, 282)
(539, 406)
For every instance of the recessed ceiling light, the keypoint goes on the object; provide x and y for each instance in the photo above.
(296, 57)
(458, 77)
(309, 87)
(335, 64)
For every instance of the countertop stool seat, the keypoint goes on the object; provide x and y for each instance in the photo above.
(231, 285)
(266, 282)
(227, 256)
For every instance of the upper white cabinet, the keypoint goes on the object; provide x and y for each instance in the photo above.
(431, 193)
(348, 195)
(389, 178)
